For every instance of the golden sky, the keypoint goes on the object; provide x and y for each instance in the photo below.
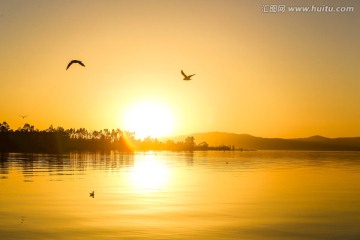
(266, 74)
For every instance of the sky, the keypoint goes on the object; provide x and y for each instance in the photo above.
(269, 74)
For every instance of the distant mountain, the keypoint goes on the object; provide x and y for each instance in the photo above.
(245, 141)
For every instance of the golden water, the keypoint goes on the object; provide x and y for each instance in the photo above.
(181, 195)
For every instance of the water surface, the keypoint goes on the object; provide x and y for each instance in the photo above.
(181, 195)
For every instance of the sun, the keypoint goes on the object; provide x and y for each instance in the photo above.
(149, 119)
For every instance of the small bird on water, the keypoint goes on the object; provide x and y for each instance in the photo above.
(92, 194)
(75, 61)
(186, 77)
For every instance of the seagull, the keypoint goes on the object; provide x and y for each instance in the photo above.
(92, 194)
(23, 116)
(74, 61)
(185, 76)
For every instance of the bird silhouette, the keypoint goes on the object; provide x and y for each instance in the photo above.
(74, 61)
(186, 77)
(92, 194)
(23, 116)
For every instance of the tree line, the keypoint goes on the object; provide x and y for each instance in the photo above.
(59, 140)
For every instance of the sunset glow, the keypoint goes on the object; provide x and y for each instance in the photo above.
(283, 74)
(179, 119)
(149, 119)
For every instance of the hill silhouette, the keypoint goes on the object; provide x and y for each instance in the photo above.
(246, 141)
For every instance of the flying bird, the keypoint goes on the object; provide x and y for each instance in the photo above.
(186, 77)
(74, 61)
(92, 194)
(23, 116)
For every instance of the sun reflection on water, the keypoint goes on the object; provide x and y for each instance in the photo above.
(149, 174)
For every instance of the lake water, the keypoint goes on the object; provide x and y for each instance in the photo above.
(180, 195)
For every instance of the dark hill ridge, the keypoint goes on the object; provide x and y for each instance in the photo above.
(245, 141)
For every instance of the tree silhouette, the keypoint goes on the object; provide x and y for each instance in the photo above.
(4, 127)
(190, 143)
(59, 140)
